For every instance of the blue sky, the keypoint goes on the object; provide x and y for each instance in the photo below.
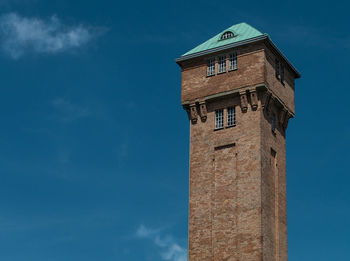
(94, 142)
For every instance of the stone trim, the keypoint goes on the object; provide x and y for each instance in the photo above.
(259, 87)
(198, 107)
(225, 146)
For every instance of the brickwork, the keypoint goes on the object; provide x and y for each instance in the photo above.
(284, 92)
(273, 188)
(237, 204)
(224, 187)
(195, 84)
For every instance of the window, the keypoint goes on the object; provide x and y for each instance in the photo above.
(282, 73)
(226, 35)
(222, 64)
(211, 67)
(219, 119)
(273, 122)
(277, 69)
(233, 61)
(231, 117)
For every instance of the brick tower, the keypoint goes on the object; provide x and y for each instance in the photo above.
(238, 91)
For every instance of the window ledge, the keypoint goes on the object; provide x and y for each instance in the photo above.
(221, 72)
(221, 128)
(231, 70)
(211, 75)
(231, 126)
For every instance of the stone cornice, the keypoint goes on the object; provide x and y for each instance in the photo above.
(238, 91)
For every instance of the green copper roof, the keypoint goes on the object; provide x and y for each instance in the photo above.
(240, 31)
(242, 34)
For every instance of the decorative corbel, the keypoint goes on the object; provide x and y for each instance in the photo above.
(187, 109)
(270, 103)
(266, 100)
(244, 100)
(203, 110)
(193, 113)
(253, 98)
(282, 116)
(286, 120)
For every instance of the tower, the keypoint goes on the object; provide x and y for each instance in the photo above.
(238, 91)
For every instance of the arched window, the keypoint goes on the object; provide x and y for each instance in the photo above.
(226, 35)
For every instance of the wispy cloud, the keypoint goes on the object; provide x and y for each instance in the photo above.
(20, 35)
(169, 249)
(68, 111)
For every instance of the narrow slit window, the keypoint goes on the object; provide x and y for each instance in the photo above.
(282, 73)
(211, 67)
(277, 69)
(231, 117)
(219, 119)
(222, 64)
(233, 61)
(273, 122)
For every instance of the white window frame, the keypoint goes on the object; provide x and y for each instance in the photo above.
(231, 116)
(211, 67)
(227, 35)
(222, 64)
(233, 61)
(219, 119)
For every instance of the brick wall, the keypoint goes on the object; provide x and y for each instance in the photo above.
(237, 205)
(250, 72)
(225, 187)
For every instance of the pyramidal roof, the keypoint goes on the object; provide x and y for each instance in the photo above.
(236, 35)
(241, 32)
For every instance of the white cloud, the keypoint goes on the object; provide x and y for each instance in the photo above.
(20, 35)
(143, 232)
(169, 249)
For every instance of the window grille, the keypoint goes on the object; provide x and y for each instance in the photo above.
(219, 119)
(211, 67)
(222, 64)
(227, 35)
(233, 61)
(231, 116)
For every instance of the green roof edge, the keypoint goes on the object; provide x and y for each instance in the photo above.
(242, 31)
